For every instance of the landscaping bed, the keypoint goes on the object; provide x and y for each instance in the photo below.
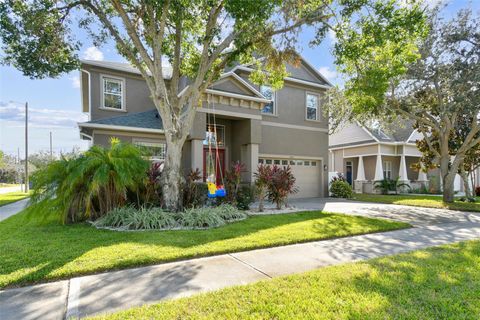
(431, 201)
(36, 247)
(438, 283)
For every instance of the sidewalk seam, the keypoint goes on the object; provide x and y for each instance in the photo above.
(249, 265)
(72, 299)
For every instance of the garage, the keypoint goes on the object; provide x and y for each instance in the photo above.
(307, 172)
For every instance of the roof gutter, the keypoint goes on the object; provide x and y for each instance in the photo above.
(119, 128)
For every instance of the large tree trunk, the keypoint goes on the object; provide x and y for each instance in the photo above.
(466, 184)
(171, 175)
(448, 179)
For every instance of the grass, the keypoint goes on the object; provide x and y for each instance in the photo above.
(438, 283)
(6, 185)
(6, 198)
(35, 248)
(419, 201)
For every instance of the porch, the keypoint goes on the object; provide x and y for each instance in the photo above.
(362, 171)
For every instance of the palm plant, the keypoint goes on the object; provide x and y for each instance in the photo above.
(386, 185)
(94, 183)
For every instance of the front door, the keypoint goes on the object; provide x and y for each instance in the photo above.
(211, 165)
(349, 173)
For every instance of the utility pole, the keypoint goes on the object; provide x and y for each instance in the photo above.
(51, 151)
(26, 147)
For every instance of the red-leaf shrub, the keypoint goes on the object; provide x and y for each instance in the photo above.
(477, 191)
(276, 183)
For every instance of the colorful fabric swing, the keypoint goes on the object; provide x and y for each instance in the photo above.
(215, 189)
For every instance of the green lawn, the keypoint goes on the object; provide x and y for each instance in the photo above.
(420, 201)
(6, 198)
(439, 283)
(35, 248)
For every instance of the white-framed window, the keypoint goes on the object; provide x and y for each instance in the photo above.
(261, 161)
(215, 139)
(268, 93)
(387, 169)
(311, 107)
(277, 162)
(156, 151)
(113, 93)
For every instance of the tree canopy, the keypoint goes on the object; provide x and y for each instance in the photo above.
(199, 38)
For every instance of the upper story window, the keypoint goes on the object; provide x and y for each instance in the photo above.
(215, 137)
(387, 169)
(268, 93)
(113, 93)
(312, 107)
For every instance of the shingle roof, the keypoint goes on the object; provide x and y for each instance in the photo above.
(148, 119)
(125, 67)
(393, 132)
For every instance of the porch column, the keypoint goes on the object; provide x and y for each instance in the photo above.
(197, 155)
(249, 157)
(378, 168)
(402, 172)
(422, 175)
(358, 183)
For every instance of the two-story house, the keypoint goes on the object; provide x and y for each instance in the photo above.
(253, 123)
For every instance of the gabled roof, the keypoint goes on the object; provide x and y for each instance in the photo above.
(145, 120)
(399, 132)
(124, 67)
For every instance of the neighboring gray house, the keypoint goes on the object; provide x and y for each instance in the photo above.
(254, 124)
(366, 155)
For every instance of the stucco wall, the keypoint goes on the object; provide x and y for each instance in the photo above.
(349, 134)
(137, 94)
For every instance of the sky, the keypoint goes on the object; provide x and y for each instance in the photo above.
(54, 104)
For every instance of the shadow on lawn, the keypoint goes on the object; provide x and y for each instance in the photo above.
(36, 248)
(439, 283)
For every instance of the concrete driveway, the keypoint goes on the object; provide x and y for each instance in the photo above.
(416, 216)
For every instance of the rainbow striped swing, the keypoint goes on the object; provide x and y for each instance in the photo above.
(216, 189)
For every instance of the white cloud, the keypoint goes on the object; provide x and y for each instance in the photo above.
(330, 74)
(332, 36)
(93, 53)
(14, 114)
(75, 81)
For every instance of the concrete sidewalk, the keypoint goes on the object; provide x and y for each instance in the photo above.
(112, 291)
(12, 208)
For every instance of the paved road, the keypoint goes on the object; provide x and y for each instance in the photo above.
(112, 291)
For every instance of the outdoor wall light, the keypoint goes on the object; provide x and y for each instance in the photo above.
(325, 167)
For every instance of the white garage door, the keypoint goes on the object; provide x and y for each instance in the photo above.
(307, 173)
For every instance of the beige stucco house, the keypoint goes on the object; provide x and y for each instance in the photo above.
(254, 124)
(366, 155)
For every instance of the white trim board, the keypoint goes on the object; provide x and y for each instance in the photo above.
(119, 128)
(283, 156)
(305, 82)
(293, 126)
(230, 113)
(236, 95)
(372, 144)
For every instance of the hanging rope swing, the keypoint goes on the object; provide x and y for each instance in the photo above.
(216, 189)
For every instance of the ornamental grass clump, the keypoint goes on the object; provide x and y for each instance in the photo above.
(131, 218)
(229, 213)
(200, 218)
